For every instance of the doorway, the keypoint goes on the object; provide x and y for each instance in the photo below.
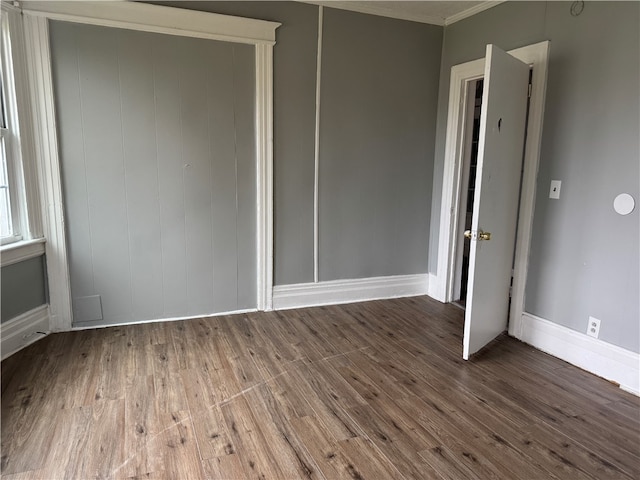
(465, 214)
(446, 284)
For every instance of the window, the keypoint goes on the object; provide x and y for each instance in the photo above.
(16, 174)
(10, 225)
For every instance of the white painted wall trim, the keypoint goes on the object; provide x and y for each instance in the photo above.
(460, 74)
(151, 18)
(264, 154)
(481, 7)
(432, 286)
(21, 251)
(536, 55)
(45, 138)
(381, 9)
(386, 9)
(158, 19)
(348, 291)
(21, 331)
(600, 358)
(316, 182)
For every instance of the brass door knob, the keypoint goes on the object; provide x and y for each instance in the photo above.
(481, 235)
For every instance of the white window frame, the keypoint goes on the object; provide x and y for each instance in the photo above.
(26, 241)
(149, 18)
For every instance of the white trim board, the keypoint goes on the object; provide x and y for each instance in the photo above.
(21, 251)
(316, 163)
(159, 19)
(22, 330)
(470, 12)
(536, 55)
(150, 18)
(348, 291)
(386, 9)
(600, 358)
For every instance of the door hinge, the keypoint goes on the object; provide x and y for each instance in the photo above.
(530, 88)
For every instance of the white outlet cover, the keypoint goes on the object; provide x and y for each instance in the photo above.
(624, 204)
(554, 191)
(593, 328)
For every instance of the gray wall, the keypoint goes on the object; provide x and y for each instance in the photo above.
(294, 92)
(377, 125)
(23, 287)
(378, 111)
(158, 168)
(584, 258)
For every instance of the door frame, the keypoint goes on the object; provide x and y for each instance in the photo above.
(442, 284)
(148, 18)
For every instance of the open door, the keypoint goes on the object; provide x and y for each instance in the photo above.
(495, 210)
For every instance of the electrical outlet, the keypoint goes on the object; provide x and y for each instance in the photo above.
(593, 329)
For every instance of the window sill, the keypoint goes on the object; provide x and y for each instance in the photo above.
(21, 251)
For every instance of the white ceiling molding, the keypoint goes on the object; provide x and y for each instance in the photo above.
(472, 11)
(432, 12)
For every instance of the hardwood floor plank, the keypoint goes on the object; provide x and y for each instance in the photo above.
(179, 451)
(322, 447)
(223, 468)
(209, 426)
(366, 461)
(568, 456)
(254, 452)
(294, 459)
(326, 408)
(141, 424)
(393, 441)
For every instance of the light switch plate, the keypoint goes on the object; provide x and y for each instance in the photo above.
(554, 191)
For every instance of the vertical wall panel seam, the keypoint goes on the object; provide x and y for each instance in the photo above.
(212, 183)
(235, 157)
(184, 197)
(155, 131)
(316, 220)
(124, 177)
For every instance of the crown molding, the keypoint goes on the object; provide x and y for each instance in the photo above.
(372, 8)
(472, 11)
(383, 10)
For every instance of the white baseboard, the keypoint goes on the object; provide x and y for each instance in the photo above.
(348, 291)
(21, 331)
(600, 358)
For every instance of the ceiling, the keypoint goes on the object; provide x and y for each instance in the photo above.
(433, 12)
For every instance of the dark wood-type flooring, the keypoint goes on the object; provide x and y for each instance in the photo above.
(373, 390)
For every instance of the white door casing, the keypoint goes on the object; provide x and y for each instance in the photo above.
(441, 284)
(497, 188)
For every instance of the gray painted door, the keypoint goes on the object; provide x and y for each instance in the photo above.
(495, 210)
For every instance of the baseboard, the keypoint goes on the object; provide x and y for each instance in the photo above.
(600, 358)
(348, 291)
(23, 330)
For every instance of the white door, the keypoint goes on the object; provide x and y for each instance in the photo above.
(497, 189)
